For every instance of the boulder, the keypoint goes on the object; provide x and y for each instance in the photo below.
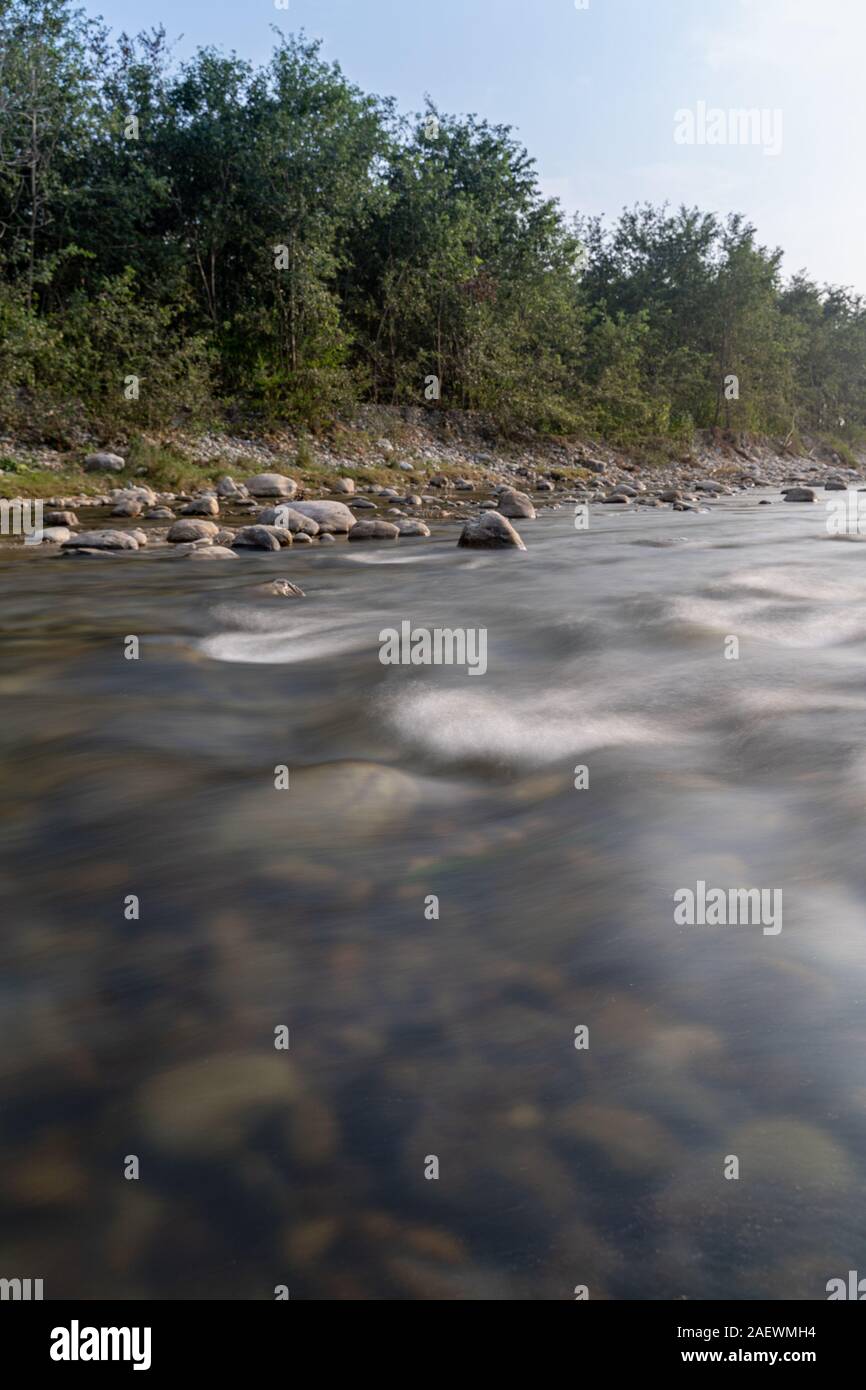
(135, 493)
(101, 540)
(289, 518)
(515, 504)
(488, 531)
(192, 531)
(104, 463)
(332, 517)
(799, 494)
(60, 519)
(201, 506)
(374, 531)
(345, 485)
(271, 485)
(259, 538)
(412, 527)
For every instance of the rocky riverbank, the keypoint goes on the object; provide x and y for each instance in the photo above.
(273, 495)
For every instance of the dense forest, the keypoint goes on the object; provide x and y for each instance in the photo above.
(209, 237)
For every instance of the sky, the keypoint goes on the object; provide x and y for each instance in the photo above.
(619, 101)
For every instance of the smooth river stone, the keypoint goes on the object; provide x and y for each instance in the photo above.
(101, 540)
(331, 516)
(323, 805)
(211, 1105)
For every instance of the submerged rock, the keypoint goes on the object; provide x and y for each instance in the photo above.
(213, 1104)
(206, 552)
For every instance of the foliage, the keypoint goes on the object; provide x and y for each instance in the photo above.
(272, 239)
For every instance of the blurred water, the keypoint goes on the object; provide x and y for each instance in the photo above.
(455, 1038)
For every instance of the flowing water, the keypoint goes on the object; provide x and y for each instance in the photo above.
(416, 1039)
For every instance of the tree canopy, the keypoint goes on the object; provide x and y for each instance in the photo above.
(276, 240)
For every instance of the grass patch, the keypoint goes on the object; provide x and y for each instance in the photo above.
(43, 482)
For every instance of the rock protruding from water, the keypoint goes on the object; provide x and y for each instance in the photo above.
(489, 531)
(281, 588)
(374, 531)
(289, 518)
(201, 506)
(515, 504)
(799, 494)
(101, 540)
(260, 538)
(183, 531)
(332, 517)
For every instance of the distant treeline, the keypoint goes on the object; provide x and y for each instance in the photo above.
(208, 236)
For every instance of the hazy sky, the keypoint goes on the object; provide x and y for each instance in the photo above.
(593, 94)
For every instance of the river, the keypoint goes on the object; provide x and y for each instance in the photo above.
(510, 1074)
